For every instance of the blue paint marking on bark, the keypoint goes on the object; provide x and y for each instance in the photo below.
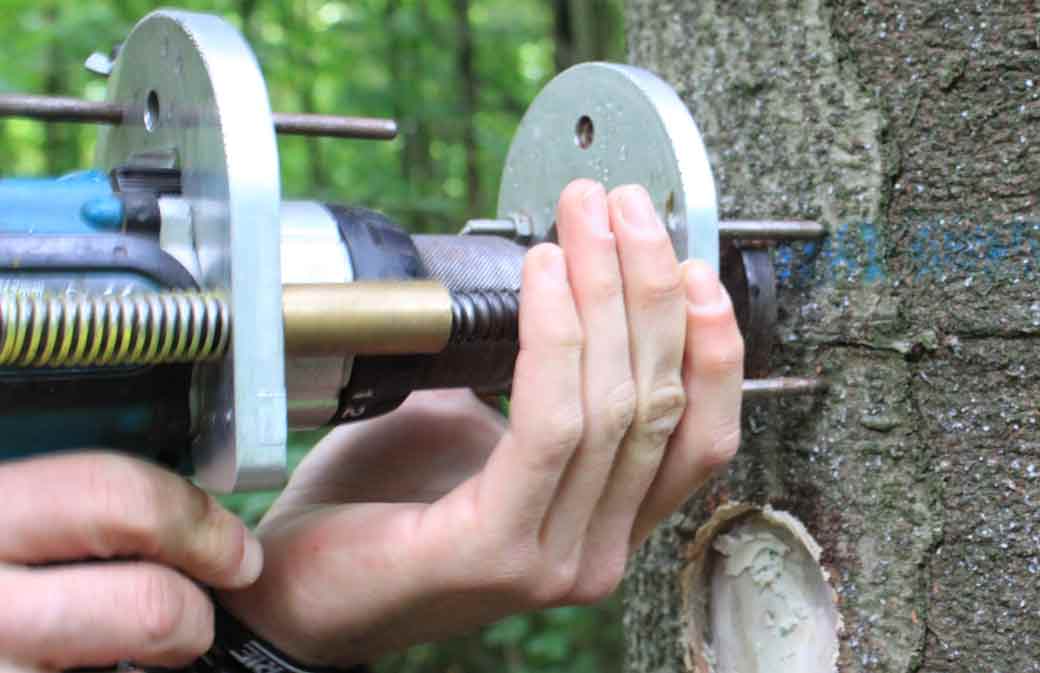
(855, 253)
(852, 253)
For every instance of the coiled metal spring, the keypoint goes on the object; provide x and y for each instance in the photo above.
(100, 331)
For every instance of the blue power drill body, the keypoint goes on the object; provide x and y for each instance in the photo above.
(64, 237)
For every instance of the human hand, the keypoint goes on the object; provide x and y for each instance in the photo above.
(438, 517)
(65, 608)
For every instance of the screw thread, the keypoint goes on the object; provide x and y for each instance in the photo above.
(484, 315)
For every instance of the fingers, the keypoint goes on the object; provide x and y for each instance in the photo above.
(709, 434)
(608, 393)
(546, 420)
(626, 396)
(109, 506)
(655, 301)
(97, 615)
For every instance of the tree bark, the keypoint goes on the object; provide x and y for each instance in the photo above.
(907, 128)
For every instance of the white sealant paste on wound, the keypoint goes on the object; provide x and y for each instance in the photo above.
(767, 604)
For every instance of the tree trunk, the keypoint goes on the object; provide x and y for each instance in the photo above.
(468, 101)
(583, 30)
(60, 149)
(302, 58)
(908, 129)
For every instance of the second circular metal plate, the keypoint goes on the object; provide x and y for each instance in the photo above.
(616, 124)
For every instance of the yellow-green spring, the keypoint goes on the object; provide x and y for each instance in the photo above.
(112, 331)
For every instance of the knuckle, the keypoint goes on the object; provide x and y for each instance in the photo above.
(666, 282)
(205, 633)
(219, 538)
(563, 433)
(515, 573)
(501, 572)
(604, 287)
(527, 370)
(620, 408)
(661, 288)
(602, 579)
(720, 358)
(565, 335)
(724, 444)
(160, 605)
(570, 337)
(506, 568)
(553, 583)
(661, 412)
(126, 518)
(717, 316)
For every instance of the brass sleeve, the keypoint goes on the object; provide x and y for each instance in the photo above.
(366, 317)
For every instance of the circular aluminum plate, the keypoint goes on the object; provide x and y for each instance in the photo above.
(616, 124)
(197, 101)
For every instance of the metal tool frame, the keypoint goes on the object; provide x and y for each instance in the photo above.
(196, 100)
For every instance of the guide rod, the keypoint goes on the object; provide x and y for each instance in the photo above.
(757, 389)
(66, 109)
(747, 230)
(770, 230)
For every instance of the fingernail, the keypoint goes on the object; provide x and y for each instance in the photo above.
(636, 208)
(252, 561)
(594, 201)
(702, 283)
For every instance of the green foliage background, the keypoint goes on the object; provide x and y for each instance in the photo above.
(397, 58)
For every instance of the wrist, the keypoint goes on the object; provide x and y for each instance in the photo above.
(238, 649)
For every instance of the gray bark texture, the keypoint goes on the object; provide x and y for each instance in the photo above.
(909, 127)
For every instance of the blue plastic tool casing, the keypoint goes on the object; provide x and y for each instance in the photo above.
(78, 204)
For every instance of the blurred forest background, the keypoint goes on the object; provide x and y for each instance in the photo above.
(456, 74)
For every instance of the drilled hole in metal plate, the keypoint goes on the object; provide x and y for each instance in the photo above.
(151, 111)
(584, 132)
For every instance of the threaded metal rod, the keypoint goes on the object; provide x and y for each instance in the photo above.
(485, 315)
